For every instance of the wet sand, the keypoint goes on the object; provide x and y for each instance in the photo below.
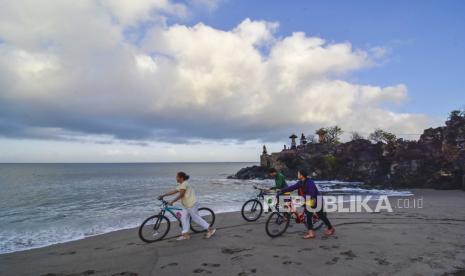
(426, 241)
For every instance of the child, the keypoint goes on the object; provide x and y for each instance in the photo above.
(308, 189)
(189, 201)
(279, 179)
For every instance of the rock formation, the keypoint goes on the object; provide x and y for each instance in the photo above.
(436, 160)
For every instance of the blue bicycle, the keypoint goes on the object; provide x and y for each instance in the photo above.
(156, 227)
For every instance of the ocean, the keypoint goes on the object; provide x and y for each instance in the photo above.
(44, 204)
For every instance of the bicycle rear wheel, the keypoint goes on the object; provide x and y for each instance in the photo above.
(252, 210)
(208, 215)
(154, 228)
(277, 223)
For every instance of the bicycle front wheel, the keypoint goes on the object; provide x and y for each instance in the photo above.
(252, 210)
(276, 224)
(154, 228)
(208, 215)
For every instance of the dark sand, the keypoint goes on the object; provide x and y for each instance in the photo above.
(427, 241)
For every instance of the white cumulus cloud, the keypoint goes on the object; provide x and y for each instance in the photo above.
(70, 67)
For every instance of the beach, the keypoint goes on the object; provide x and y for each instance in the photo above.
(414, 241)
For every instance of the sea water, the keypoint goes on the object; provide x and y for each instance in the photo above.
(44, 204)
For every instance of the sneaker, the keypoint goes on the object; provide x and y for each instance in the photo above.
(210, 233)
(182, 238)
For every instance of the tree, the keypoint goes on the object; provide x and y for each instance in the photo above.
(322, 135)
(457, 114)
(311, 139)
(333, 134)
(329, 135)
(354, 135)
(380, 135)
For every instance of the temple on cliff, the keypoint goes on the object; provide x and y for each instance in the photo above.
(269, 160)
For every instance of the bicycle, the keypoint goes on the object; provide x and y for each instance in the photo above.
(156, 227)
(281, 221)
(255, 210)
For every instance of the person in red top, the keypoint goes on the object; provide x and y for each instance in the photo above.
(309, 190)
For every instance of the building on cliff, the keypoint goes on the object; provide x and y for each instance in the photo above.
(435, 160)
(273, 160)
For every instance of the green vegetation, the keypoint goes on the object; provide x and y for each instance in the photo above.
(355, 136)
(383, 136)
(330, 135)
(330, 161)
(456, 114)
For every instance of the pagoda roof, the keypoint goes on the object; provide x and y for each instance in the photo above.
(292, 136)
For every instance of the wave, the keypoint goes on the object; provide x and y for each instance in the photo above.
(81, 217)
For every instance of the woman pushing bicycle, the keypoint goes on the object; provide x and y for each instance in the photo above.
(189, 201)
(307, 188)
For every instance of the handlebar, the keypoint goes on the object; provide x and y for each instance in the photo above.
(163, 202)
(258, 188)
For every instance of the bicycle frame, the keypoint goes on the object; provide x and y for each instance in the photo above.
(261, 195)
(299, 218)
(170, 209)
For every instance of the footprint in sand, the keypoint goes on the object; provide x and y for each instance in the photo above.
(291, 262)
(382, 261)
(201, 270)
(243, 273)
(333, 261)
(325, 247)
(87, 272)
(211, 265)
(68, 253)
(349, 255)
(236, 258)
(419, 259)
(239, 258)
(234, 250)
(126, 273)
(304, 249)
(328, 237)
(168, 265)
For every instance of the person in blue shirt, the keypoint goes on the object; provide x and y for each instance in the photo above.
(309, 190)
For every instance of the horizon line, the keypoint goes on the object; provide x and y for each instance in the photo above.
(155, 162)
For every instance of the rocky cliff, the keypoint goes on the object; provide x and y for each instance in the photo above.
(436, 160)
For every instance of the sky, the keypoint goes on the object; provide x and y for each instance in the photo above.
(214, 80)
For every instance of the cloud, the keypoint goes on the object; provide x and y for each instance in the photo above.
(129, 13)
(68, 69)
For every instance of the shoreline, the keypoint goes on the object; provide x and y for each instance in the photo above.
(429, 241)
(92, 236)
(136, 227)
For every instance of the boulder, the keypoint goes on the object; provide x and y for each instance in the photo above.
(254, 172)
